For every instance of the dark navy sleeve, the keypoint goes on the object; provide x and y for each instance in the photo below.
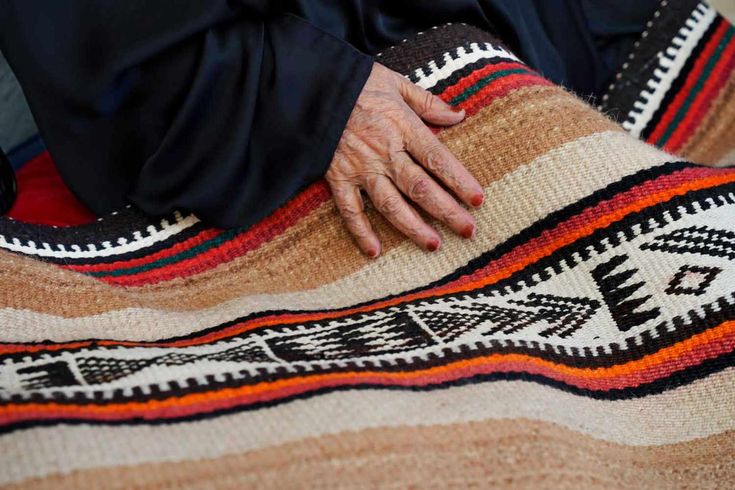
(211, 106)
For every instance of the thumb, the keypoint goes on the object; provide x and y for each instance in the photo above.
(428, 106)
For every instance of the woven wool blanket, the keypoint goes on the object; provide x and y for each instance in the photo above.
(584, 337)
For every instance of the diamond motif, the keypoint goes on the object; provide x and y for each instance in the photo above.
(692, 280)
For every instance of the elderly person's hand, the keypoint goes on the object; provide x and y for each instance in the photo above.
(387, 150)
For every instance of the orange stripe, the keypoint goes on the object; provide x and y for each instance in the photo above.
(662, 356)
(601, 222)
(451, 288)
(545, 251)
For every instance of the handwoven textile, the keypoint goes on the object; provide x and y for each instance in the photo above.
(585, 337)
(677, 89)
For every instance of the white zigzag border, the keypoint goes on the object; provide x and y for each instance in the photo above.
(430, 75)
(670, 64)
(426, 77)
(185, 375)
(105, 249)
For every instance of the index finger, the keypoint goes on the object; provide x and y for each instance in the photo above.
(426, 148)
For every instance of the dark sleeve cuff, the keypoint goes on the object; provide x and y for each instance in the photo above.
(336, 73)
(346, 84)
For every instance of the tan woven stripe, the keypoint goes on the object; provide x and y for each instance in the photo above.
(728, 159)
(26, 283)
(488, 454)
(321, 251)
(700, 409)
(715, 136)
(318, 250)
(513, 205)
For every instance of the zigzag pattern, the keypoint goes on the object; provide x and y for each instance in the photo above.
(670, 65)
(602, 270)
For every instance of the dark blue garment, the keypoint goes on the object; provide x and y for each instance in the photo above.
(8, 189)
(227, 108)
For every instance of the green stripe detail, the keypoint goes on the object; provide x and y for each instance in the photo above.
(228, 235)
(485, 81)
(186, 254)
(711, 63)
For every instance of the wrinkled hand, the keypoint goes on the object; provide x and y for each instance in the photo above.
(388, 151)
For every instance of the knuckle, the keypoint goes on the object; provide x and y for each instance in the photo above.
(395, 154)
(418, 189)
(370, 180)
(450, 215)
(434, 160)
(349, 210)
(360, 232)
(350, 213)
(417, 234)
(389, 205)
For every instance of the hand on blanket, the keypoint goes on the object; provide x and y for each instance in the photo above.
(388, 151)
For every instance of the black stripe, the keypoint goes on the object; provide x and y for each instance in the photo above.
(619, 101)
(407, 57)
(121, 225)
(680, 80)
(169, 242)
(678, 379)
(687, 326)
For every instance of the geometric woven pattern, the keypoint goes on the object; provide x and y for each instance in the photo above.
(588, 302)
(675, 90)
(591, 319)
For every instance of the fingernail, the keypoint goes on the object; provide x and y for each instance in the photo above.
(468, 231)
(477, 200)
(373, 252)
(432, 246)
(457, 109)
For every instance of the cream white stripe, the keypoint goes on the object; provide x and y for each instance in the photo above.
(697, 410)
(600, 331)
(497, 220)
(670, 65)
(727, 160)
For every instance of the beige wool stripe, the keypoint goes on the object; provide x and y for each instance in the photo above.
(486, 454)
(318, 250)
(512, 206)
(714, 138)
(726, 160)
(700, 409)
(321, 251)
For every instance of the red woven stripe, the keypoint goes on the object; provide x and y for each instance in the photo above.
(154, 410)
(708, 92)
(473, 78)
(541, 246)
(692, 78)
(260, 233)
(703, 102)
(500, 89)
(277, 223)
(177, 248)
